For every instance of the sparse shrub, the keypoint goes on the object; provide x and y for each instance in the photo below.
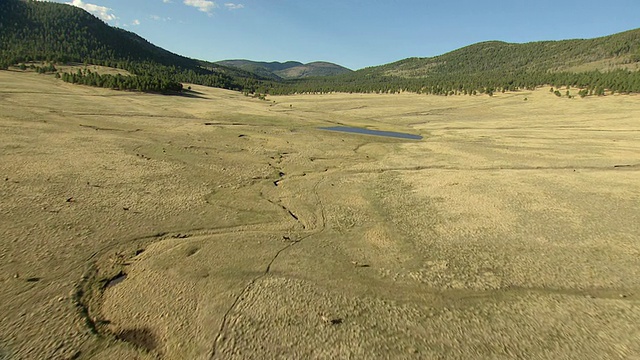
(558, 93)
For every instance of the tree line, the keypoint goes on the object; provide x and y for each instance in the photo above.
(595, 82)
(121, 82)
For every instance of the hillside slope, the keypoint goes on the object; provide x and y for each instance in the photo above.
(46, 31)
(597, 66)
(618, 51)
(317, 68)
(287, 70)
(58, 32)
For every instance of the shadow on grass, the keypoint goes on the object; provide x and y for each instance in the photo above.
(141, 338)
(190, 94)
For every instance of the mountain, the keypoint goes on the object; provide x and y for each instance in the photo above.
(265, 69)
(50, 31)
(61, 33)
(287, 70)
(618, 51)
(318, 68)
(610, 63)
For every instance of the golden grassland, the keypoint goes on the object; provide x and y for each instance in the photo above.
(512, 230)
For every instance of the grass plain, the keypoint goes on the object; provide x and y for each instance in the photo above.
(512, 230)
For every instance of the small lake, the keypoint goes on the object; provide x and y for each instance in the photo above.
(356, 130)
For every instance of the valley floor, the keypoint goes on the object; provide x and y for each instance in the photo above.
(512, 230)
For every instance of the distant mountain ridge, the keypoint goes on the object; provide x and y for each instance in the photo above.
(617, 51)
(287, 70)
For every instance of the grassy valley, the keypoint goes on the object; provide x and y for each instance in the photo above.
(241, 226)
(217, 225)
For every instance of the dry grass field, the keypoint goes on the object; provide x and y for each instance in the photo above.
(512, 230)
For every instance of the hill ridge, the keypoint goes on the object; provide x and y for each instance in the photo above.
(619, 50)
(62, 33)
(288, 69)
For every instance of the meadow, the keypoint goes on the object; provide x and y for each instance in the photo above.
(237, 228)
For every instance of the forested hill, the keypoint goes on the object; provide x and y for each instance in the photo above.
(610, 63)
(61, 33)
(618, 51)
(317, 68)
(289, 69)
(262, 68)
(47, 31)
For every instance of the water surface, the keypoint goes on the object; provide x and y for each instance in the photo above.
(364, 131)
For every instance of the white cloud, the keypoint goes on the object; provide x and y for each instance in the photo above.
(135, 22)
(159, 18)
(232, 6)
(202, 5)
(167, 1)
(102, 12)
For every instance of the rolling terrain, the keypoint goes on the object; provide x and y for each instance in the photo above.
(213, 225)
(287, 70)
(61, 34)
(617, 51)
(218, 226)
(609, 63)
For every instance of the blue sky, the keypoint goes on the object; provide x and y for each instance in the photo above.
(355, 33)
